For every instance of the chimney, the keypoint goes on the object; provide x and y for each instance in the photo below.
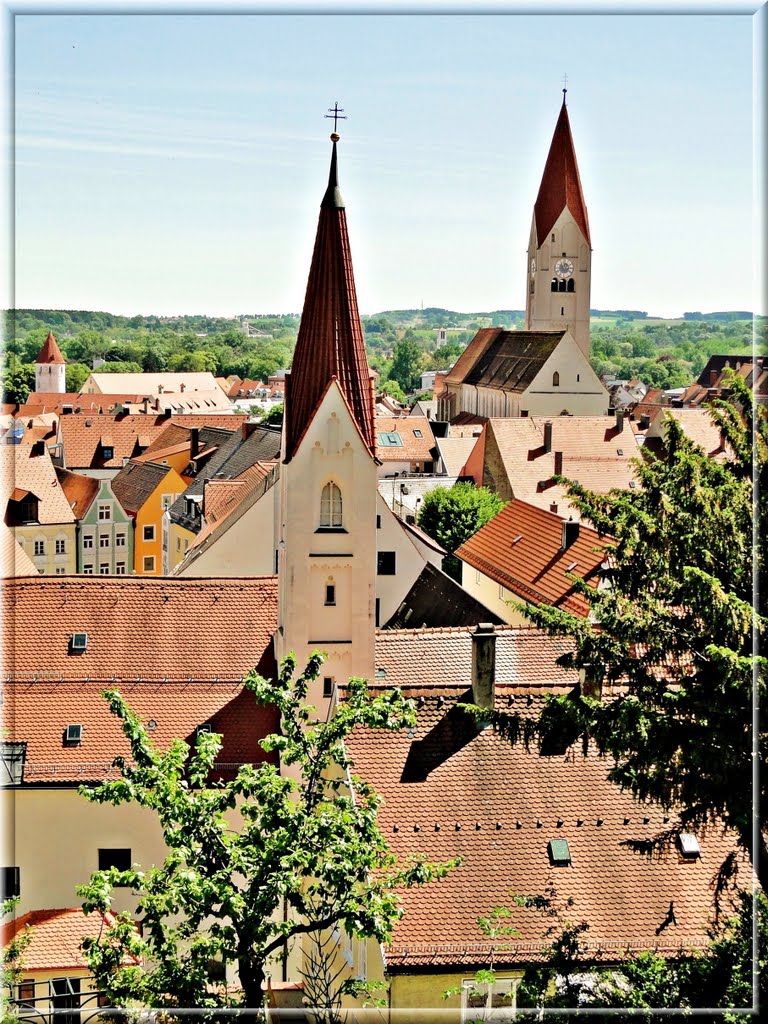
(182, 387)
(558, 463)
(645, 420)
(548, 436)
(619, 420)
(713, 375)
(159, 389)
(484, 665)
(247, 429)
(194, 439)
(553, 507)
(570, 533)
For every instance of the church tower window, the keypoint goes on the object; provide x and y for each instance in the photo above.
(330, 507)
(553, 286)
(571, 285)
(555, 379)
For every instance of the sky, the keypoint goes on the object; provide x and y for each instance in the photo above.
(174, 163)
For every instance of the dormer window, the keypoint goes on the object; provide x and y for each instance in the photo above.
(330, 507)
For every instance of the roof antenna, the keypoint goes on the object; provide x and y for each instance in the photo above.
(565, 87)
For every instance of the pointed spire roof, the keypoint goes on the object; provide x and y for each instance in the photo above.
(560, 183)
(50, 352)
(330, 342)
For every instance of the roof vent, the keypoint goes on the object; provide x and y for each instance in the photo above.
(689, 845)
(73, 734)
(517, 538)
(559, 852)
(78, 643)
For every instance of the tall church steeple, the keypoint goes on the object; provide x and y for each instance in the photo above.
(326, 533)
(330, 342)
(559, 251)
(50, 368)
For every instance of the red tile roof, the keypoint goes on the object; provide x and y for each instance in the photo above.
(79, 490)
(413, 448)
(560, 183)
(450, 790)
(330, 343)
(39, 713)
(81, 436)
(56, 937)
(138, 627)
(521, 549)
(50, 352)
(36, 474)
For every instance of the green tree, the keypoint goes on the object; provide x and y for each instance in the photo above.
(274, 415)
(76, 375)
(677, 629)
(254, 862)
(18, 381)
(452, 515)
(406, 364)
(393, 389)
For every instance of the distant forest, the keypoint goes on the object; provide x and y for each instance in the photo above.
(401, 343)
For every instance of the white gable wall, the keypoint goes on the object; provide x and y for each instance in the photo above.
(579, 391)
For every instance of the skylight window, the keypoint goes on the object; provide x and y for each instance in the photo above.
(559, 852)
(78, 643)
(390, 439)
(417, 433)
(689, 845)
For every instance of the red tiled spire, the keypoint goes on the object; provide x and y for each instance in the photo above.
(50, 352)
(330, 342)
(560, 183)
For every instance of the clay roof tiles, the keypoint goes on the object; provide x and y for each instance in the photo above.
(81, 436)
(450, 790)
(413, 448)
(560, 183)
(513, 359)
(330, 343)
(50, 352)
(56, 936)
(37, 475)
(136, 482)
(521, 549)
(79, 490)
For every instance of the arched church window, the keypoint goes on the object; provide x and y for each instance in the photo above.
(555, 379)
(571, 285)
(330, 506)
(561, 286)
(553, 286)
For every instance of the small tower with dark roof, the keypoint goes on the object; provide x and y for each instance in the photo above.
(326, 533)
(50, 368)
(560, 249)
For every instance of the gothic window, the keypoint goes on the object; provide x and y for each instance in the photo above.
(571, 285)
(555, 379)
(553, 285)
(330, 507)
(561, 286)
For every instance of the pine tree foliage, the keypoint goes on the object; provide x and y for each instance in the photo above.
(252, 863)
(677, 628)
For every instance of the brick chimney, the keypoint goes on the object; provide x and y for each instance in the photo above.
(558, 463)
(548, 436)
(194, 442)
(570, 533)
(484, 665)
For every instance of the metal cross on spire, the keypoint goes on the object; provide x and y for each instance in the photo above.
(565, 86)
(337, 113)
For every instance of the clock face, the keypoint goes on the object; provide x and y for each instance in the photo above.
(564, 268)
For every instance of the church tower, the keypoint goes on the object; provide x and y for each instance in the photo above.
(326, 527)
(50, 368)
(560, 251)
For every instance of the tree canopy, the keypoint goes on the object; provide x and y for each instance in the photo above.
(676, 628)
(452, 514)
(254, 862)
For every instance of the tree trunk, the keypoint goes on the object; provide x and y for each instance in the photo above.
(252, 980)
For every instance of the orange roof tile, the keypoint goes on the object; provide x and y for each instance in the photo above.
(14, 561)
(414, 448)
(697, 425)
(50, 352)
(37, 474)
(79, 490)
(138, 627)
(56, 936)
(521, 549)
(80, 435)
(450, 790)
(560, 183)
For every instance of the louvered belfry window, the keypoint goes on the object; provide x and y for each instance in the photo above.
(330, 506)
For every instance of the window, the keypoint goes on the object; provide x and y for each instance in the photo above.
(119, 540)
(559, 852)
(553, 285)
(571, 285)
(114, 858)
(26, 993)
(486, 997)
(28, 510)
(386, 563)
(11, 880)
(149, 563)
(105, 511)
(88, 570)
(61, 570)
(149, 533)
(61, 547)
(330, 594)
(327, 686)
(104, 569)
(39, 547)
(555, 379)
(87, 541)
(107, 451)
(378, 612)
(166, 501)
(178, 544)
(120, 569)
(378, 522)
(562, 311)
(104, 540)
(330, 507)
(417, 433)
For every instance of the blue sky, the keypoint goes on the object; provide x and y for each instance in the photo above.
(175, 163)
